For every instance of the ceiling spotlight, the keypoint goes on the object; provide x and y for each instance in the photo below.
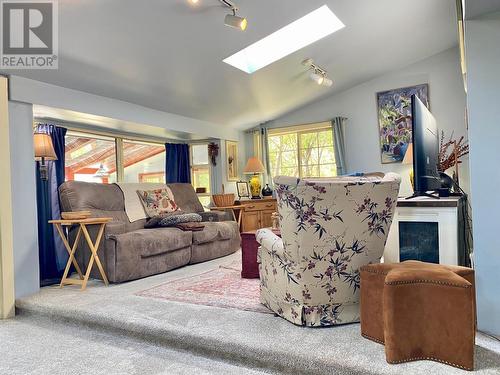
(327, 82)
(318, 78)
(194, 2)
(318, 74)
(233, 20)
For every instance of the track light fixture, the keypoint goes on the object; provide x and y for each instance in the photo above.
(318, 74)
(233, 20)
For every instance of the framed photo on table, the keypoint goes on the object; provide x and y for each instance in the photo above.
(232, 160)
(243, 189)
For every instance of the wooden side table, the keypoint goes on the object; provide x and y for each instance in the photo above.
(93, 246)
(238, 208)
(249, 248)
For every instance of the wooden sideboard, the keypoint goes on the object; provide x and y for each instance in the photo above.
(256, 213)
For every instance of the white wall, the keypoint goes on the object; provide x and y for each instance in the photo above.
(40, 93)
(26, 269)
(447, 102)
(482, 41)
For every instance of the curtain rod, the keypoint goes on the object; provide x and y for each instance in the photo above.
(258, 127)
(95, 130)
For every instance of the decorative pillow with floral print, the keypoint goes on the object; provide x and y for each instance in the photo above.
(158, 201)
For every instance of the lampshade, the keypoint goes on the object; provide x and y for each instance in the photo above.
(408, 159)
(254, 165)
(44, 147)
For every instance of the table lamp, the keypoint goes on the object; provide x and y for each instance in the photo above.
(44, 150)
(254, 166)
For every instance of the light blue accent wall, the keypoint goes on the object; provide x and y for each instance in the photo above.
(482, 40)
(24, 215)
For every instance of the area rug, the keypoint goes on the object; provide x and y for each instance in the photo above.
(220, 287)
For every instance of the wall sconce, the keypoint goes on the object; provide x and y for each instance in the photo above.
(44, 150)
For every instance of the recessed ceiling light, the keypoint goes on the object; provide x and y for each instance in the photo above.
(294, 36)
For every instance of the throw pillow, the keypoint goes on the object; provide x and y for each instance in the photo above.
(171, 219)
(158, 201)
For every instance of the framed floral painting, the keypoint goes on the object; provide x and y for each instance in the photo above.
(232, 160)
(395, 121)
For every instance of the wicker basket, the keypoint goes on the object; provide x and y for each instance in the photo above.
(223, 200)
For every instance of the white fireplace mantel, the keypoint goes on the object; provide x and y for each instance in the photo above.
(444, 211)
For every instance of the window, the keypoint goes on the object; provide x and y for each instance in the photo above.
(143, 162)
(90, 158)
(200, 172)
(303, 151)
(94, 158)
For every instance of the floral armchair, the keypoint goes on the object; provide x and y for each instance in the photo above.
(330, 228)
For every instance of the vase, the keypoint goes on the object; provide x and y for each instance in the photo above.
(255, 186)
(267, 192)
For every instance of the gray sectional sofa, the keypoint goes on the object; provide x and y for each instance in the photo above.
(128, 251)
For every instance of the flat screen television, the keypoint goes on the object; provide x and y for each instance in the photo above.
(425, 149)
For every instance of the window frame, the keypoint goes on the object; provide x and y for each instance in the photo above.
(192, 166)
(300, 130)
(121, 142)
(118, 140)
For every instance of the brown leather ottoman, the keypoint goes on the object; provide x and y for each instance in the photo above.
(420, 311)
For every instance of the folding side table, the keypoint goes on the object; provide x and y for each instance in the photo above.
(93, 246)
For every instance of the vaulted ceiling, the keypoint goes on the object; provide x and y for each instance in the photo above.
(167, 54)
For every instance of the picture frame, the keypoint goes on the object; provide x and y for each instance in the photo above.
(243, 189)
(232, 160)
(395, 120)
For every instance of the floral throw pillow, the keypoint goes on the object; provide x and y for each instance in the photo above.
(157, 201)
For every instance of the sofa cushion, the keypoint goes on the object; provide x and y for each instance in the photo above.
(151, 242)
(185, 197)
(216, 231)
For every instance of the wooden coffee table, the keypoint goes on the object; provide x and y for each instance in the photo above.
(249, 248)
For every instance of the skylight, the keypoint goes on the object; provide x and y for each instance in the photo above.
(294, 36)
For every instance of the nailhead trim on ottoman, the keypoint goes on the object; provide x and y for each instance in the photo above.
(420, 311)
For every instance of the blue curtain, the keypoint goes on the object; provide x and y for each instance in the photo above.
(52, 254)
(338, 128)
(177, 168)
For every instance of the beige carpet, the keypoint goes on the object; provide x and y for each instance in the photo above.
(242, 338)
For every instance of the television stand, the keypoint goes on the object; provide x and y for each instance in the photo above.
(430, 230)
(423, 194)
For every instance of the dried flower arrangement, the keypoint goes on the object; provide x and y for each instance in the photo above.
(213, 152)
(451, 151)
